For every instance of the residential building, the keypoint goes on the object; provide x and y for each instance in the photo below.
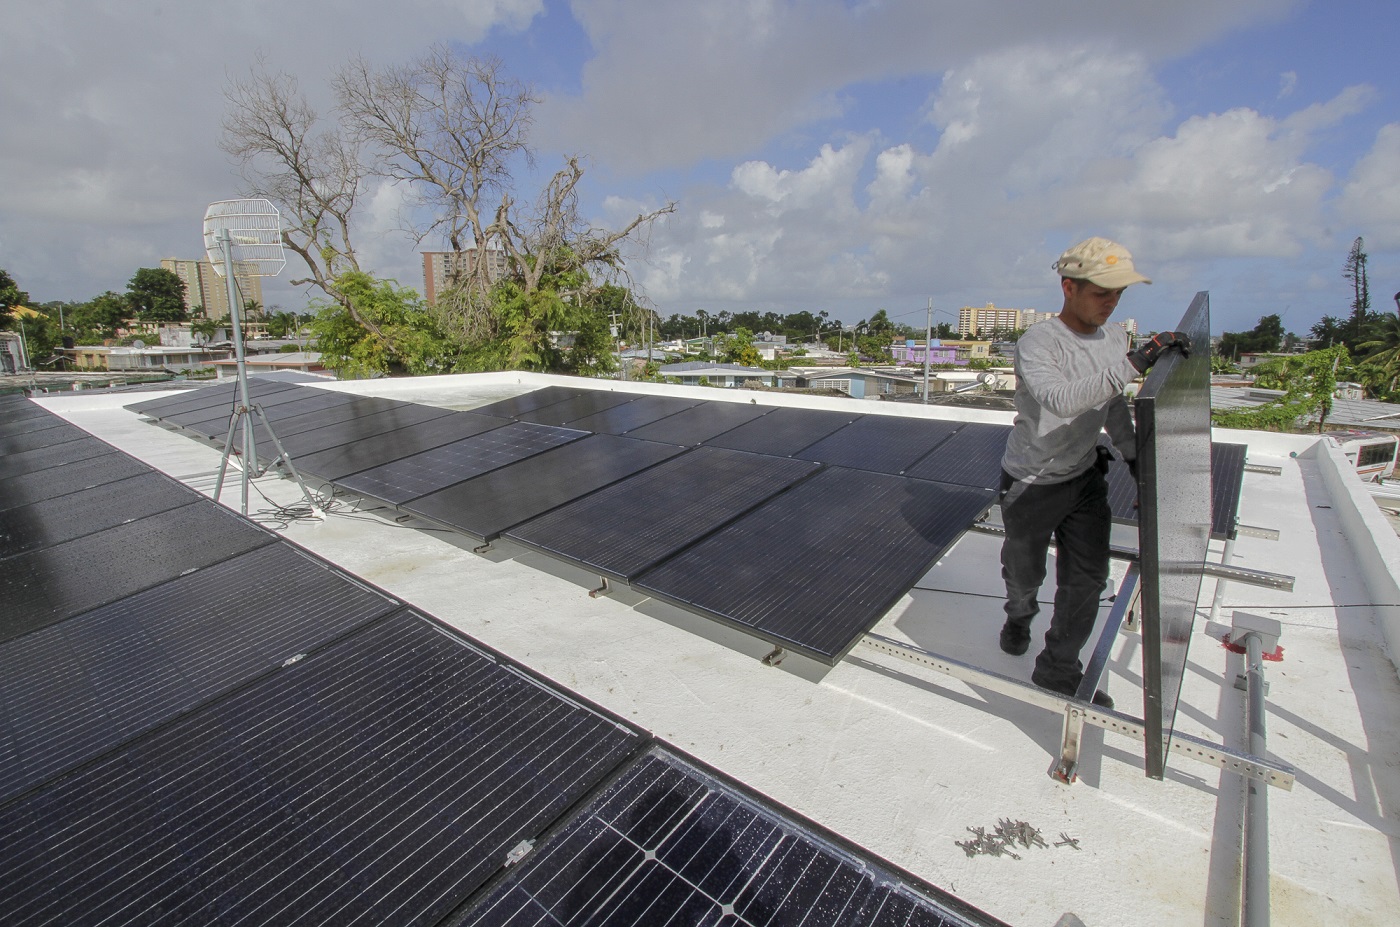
(714, 373)
(206, 293)
(441, 269)
(975, 320)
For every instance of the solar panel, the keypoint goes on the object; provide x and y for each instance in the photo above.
(44, 586)
(814, 568)
(39, 485)
(401, 480)
(358, 407)
(57, 455)
(268, 399)
(77, 688)
(1174, 460)
(58, 433)
(699, 424)
(491, 503)
(379, 781)
(971, 457)
(357, 429)
(528, 402)
(575, 407)
(682, 499)
(782, 432)
(18, 408)
(374, 451)
(670, 844)
(217, 426)
(54, 521)
(208, 398)
(880, 443)
(1226, 484)
(631, 415)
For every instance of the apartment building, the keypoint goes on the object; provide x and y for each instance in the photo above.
(443, 268)
(206, 293)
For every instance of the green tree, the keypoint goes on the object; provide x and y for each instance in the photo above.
(97, 319)
(155, 294)
(1264, 338)
(10, 296)
(739, 349)
(204, 328)
(406, 340)
(1307, 381)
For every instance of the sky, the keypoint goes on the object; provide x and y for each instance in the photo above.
(823, 155)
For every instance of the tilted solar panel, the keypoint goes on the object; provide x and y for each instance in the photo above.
(499, 500)
(402, 480)
(684, 499)
(782, 432)
(54, 521)
(79, 687)
(217, 426)
(670, 844)
(700, 423)
(358, 407)
(567, 411)
(377, 450)
(57, 455)
(814, 568)
(39, 485)
(528, 402)
(355, 429)
(378, 781)
(971, 457)
(17, 441)
(880, 443)
(1226, 484)
(629, 416)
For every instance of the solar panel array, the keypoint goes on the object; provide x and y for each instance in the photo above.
(202, 723)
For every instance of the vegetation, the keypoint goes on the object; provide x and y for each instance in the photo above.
(1308, 382)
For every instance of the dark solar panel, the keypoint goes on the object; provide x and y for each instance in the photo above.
(358, 407)
(56, 455)
(357, 429)
(528, 402)
(40, 485)
(882, 443)
(670, 844)
(700, 423)
(1174, 459)
(491, 503)
(415, 476)
(87, 511)
(1122, 492)
(683, 499)
(782, 432)
(18, 409)
(221, 411)
(1226, 483)
(318, 400)
(58, 432)
(971, 457)
(77, 688)
(44, 586)
(403, 442)
(212, 397)
(575, 407)
(632, 415)
(817, 566)
(379, 781)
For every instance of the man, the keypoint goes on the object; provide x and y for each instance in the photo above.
(1070, 373)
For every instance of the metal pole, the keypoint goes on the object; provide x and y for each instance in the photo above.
(250, 451)
(1256, 807)
(928, 343)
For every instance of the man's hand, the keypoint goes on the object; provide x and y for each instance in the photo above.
(1147, 355)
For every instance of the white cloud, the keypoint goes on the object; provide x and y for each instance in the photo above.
(1370, 200)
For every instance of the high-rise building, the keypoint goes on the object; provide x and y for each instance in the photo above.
(982, 320)
(206, 293)
(441, 269)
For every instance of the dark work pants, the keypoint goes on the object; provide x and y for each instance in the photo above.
(1077, 515)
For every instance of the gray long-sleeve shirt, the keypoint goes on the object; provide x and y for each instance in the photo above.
(1069, 388)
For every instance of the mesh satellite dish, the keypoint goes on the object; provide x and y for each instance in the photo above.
(252, 230)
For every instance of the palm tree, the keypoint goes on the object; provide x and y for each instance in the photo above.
(1382, 349)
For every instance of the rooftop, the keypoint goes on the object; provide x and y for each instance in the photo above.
(905, 761)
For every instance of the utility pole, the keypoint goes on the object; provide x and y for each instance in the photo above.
(928, 344)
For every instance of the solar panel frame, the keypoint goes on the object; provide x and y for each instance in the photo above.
(334, 463)
(789, 571)
(494, 502)
(1174, 464)
(783, 431)
(409, 478)
(704, 489)
(971, 457)
(699, 424)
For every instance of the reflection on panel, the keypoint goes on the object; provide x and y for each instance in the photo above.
(632, 415)
(782, 432)
(575, 407)
(880, 443)
(17, 441)
(699, 424)
(528, 402)
(971, 457)
(1173, 427)
(486, 506)
(357, 429)
(683, 500)
(377, 450)
(411, 477)
(668, 843)
(816, 567)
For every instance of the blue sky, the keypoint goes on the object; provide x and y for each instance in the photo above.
(845, 157)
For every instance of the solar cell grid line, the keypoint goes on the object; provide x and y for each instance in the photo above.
(699, 424)
(668, 842)
(783, 431)
(357, 429)
(43, 458)
(501, 499)
(703, 490)
(528, 402)
(971, 457)
(40, 485)
(87, 511)
(97, 680)
(336, 462)
(408, 478)
(628, 416)
(794, 572)
(59, 432)
(881, 443)
(583, 405)
(44, 586)
(380, 780)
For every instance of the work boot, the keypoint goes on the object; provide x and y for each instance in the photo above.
(1015, 638)
(1101, 698)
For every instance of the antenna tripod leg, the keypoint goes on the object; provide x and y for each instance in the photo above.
(286, 459)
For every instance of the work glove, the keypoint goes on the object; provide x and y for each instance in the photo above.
(1147, 355)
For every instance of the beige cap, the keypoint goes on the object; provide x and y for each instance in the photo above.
(1100, 261)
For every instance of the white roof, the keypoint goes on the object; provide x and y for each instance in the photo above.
(903, 761)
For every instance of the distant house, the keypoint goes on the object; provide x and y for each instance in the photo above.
(300, 361)
(144, 357)
(718, 374)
